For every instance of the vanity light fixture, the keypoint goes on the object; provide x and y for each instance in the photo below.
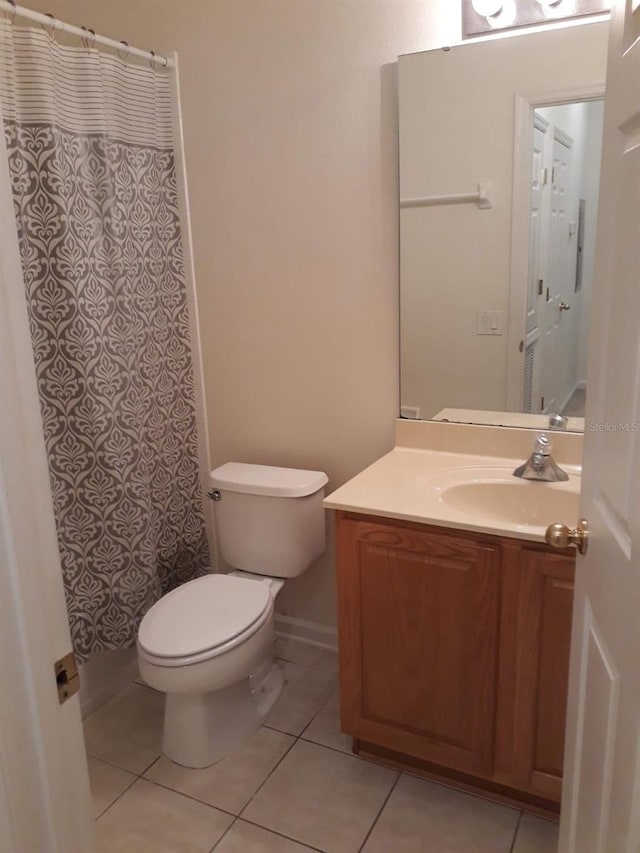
(505, 17)
(487, 8)
(558, 8)
(498, 13)
(484, 16)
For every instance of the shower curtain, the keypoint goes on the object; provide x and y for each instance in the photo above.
(90, 147)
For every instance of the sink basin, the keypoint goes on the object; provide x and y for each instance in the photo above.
(510, 502)
(494, 494)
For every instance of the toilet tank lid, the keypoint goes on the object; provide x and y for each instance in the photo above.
(267, 480)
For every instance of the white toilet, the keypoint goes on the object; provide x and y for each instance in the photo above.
(209, 643)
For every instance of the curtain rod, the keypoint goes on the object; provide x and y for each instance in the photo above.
(88, 36)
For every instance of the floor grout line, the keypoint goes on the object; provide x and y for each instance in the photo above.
(381, 809)
(118, 766)
(342, 752)
(153, 764)
(121, 794)
(155, 761)
(515, 833)
(281, 731)
(282, 835)
(306, 725)
(269, 775)
(190, 797)
(319, 711)
(226, 832)
(333, 748)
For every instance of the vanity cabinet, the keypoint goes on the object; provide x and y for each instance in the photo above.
(454, 653)
(542, 645)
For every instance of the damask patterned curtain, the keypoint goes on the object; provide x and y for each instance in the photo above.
(91, 159)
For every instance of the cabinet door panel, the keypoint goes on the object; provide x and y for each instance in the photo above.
(543, 670)
(423, 642)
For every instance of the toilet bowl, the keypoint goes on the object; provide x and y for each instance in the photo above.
(209, 646)
(209, 643)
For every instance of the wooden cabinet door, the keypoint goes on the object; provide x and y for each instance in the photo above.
(418, 622)
(542, 670)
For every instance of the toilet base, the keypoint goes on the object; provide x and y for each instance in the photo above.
(202, 728)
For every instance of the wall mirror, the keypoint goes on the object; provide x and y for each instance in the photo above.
(500, 146)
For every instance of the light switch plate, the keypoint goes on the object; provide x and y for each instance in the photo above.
(489, 322)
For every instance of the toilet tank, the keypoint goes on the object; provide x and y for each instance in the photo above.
(269, 521)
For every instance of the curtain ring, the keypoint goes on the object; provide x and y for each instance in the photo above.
(123, 52)
(11, 16)
(154, 58)
(52, 32)
(89, 38)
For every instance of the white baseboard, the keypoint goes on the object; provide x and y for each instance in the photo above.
(312, 633)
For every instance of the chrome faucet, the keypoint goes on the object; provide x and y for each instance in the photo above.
(541, 465)
(558, 421)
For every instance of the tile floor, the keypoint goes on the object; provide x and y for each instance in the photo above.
(294, 787)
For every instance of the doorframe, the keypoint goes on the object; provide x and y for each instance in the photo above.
(519, 267)
(44, 785)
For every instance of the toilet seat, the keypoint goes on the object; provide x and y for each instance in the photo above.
(204, 618)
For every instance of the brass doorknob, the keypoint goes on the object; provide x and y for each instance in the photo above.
(560, 536)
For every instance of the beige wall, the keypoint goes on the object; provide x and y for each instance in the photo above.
(289, 110)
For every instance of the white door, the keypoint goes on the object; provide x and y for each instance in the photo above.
(44, 789)
(601, 795)
(558, 272)
(537, 261)
(563, 164)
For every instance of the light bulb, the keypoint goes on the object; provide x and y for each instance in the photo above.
(558, 8)
(506, 17)
(487, 8)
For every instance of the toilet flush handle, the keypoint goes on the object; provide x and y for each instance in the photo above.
(215, 494)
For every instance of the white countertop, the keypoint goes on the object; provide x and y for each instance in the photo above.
(411, 483)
